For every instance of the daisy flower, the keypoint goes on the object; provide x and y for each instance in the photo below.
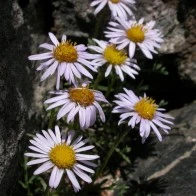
(66, 59)
(120, 8)
(114, 58)
(62, 154)
(78, 100)
(142, 110)
(131, 33)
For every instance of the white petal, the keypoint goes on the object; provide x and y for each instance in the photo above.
(77, 140)
(100, 7)
(53, 176)
(156, 131)
(108, 70)
(84, 148)
(38, 145)
(45, 64)
(131, 49)
(82, 143)
(44, 167)
(83, 70)
(64, 110)
(82, 117)
(146, 51)
(53, 39)
(101, 113)
(47, 46)
(58, 134)
(84, 168)
(82, 175)
(36, 155)
(37, 150)
(72, 114)
(58, 177)
(73, 180)
(58, 98)
(58, 103)
(37, 161)
(50, 70)
(93, 115)
(86, 157)
(70, 137)
(87, 117)
(53, 136)
(64, 38)
(42, 56)
(49, 139)
(88, 163)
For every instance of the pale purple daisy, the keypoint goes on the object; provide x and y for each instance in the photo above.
(61, 154)
(66, 59)
(110, 57)
(131, 33)
(78, 100)
(119, 8)
(142, 110)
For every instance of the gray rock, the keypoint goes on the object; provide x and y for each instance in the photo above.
(176, 20)
(175, 160)
(16, 93)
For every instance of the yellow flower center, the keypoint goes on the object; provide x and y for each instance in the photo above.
(115, 1)
(83, 96)
(136, 33)
(62, 156)
(114, 56)
(146, 108)
(66, 52)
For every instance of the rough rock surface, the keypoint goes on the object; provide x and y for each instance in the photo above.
(176, 19)
(25, 24)
(15, 92)
(175, 160)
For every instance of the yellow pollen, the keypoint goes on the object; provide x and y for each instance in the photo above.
(83, 96)
(62, 156)
(114, 56)
(115, 1)
(65, 52)
(146, 108)
(136, 33)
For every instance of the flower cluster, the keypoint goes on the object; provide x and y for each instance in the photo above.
(80, 104)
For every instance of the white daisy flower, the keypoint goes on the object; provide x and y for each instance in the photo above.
(120, 8)
(142, 110)
(114, 58)
(66, 59)
(62, 154)
(78, 100)
(134, 33)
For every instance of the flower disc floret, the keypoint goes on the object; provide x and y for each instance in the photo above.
(83, 96)
(115, 1)
(136, 33)
(114, 56)
(62, 156)
(146, 108)
(66, 52)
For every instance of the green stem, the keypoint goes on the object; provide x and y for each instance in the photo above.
(116, 143)
(113, 79)
(98, 80)
(48, 191)
(52, 119)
